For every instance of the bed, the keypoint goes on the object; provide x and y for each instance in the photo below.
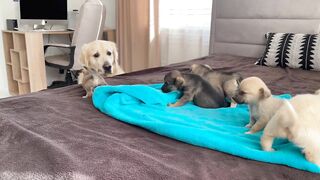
(57, 134)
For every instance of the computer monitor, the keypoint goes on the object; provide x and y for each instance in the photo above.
(44, 9)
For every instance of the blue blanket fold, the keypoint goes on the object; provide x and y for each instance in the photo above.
(219, 129)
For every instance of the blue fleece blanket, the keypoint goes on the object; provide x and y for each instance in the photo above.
(219, 129)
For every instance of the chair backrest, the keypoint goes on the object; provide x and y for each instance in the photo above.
(89, 27)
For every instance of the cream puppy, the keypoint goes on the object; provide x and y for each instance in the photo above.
(254, 92)
(102, 56)
(299, 121)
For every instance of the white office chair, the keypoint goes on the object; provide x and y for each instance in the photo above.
(89, 27)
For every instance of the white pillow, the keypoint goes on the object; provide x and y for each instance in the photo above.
(292, 50)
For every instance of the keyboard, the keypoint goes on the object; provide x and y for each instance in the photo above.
(41, 30)
(49, 30)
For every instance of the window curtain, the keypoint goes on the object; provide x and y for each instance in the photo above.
(137, 34)
(184, 29)
(151, 33)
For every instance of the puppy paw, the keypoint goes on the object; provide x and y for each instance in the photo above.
(248, 132)
(86, 96)
(248, 125)
(233, 105)
(309, 156)
(269, 149)
(177, 104)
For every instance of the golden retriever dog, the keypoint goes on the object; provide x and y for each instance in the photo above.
(254, 92)
(298, 119)
(102, 56)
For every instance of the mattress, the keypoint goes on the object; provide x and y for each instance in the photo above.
(57, 134)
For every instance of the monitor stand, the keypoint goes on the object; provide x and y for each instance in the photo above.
(40, 26)
(33, 25)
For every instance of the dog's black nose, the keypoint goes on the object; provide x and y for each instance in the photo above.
(107, 68)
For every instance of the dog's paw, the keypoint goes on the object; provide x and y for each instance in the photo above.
(248, 125)
(249, 132)
(269, 149)
(86, 96)
(309, 156)
(233, 105)
(177, 104)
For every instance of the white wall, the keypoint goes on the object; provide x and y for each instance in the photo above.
(3, 75)
(10, 10)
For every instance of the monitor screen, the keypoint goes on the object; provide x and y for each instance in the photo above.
(43, 9)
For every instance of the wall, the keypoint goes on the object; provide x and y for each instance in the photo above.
(3, 75)
(10, 10)
(3, 80)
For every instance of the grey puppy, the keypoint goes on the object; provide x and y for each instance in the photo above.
(91, 79)
(224, 82)
(193, 88)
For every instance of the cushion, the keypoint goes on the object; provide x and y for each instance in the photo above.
(292, 50)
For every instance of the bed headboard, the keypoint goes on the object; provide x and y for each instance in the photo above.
(238, 26)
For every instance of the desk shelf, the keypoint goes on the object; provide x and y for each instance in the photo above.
(19, 66)
(24, 59)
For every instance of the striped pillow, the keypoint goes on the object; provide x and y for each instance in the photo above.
(292, 50)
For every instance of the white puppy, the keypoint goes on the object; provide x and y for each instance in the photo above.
(299, 121)
(254, 92)
(102, 56)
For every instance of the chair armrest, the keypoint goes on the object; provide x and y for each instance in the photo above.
(58, 45)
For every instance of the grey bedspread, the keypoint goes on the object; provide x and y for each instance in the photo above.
(55, 134)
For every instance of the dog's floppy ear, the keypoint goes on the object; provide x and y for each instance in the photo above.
(264, 93)
(115, 54)
(179, 81)
(83, 59)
